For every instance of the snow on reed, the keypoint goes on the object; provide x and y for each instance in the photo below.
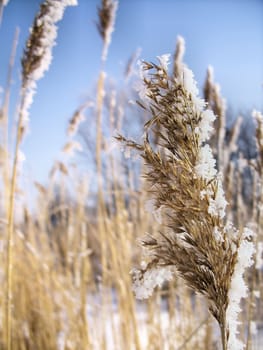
(107, 15)
(184, 183)
(38, 53)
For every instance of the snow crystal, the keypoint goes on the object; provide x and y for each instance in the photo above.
(257, 115)
(145, 282)
(218, 235)
(205, 126)
(205, 168)
(140, 85)
(218, 205)
(26, 103)
(164, 61)
(253, 327)
(231, 231)
(248, 233)
(189, 83)
(207, 192)
(238, 290)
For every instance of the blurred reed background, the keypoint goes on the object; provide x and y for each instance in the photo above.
(65, 266)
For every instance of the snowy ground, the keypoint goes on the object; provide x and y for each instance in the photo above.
(169, 335)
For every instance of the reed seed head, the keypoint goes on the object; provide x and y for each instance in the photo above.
(105, 25)
(186, 188)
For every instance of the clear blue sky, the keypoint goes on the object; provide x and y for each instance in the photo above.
(228, 34)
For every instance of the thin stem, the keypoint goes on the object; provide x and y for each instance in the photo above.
(5, 118)
(10, 227)
(223, 329)
(191, 335)
(100, 204)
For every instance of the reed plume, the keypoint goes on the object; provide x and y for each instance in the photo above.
(38, 52)
(218, 105)
(187, 196)
(107, 14)
(178, 56)
(35, 62)
(77, 118)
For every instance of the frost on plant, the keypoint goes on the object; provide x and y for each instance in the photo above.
(107, 15)
(238, 288)
(144, 282)
(205, 167)
(184, 185)
(38, 53)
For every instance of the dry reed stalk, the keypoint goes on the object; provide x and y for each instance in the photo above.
(228, 166)
(155, 339)
(64, 294)
(218, 105)
(171, 299)
(130, 64)
(100, 96)
(32, 301)
(10, 230)
(254, 307)
(84, 263)
(242, 217)
(4, 120)
(77, 118)
(120, 257)
(105, 25)
(6, 188)
(35, 62)
(233, 137)
(229, 184)
(185, 187)
(250, 311)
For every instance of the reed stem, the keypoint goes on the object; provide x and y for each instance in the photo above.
(10, 226)
(223, 330)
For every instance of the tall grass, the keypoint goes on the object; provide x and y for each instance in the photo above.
(67, 279)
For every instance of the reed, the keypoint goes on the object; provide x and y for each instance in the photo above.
(68, 261)
(35, 62)
(181, 170)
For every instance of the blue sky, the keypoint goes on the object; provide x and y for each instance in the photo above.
(228, 34)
